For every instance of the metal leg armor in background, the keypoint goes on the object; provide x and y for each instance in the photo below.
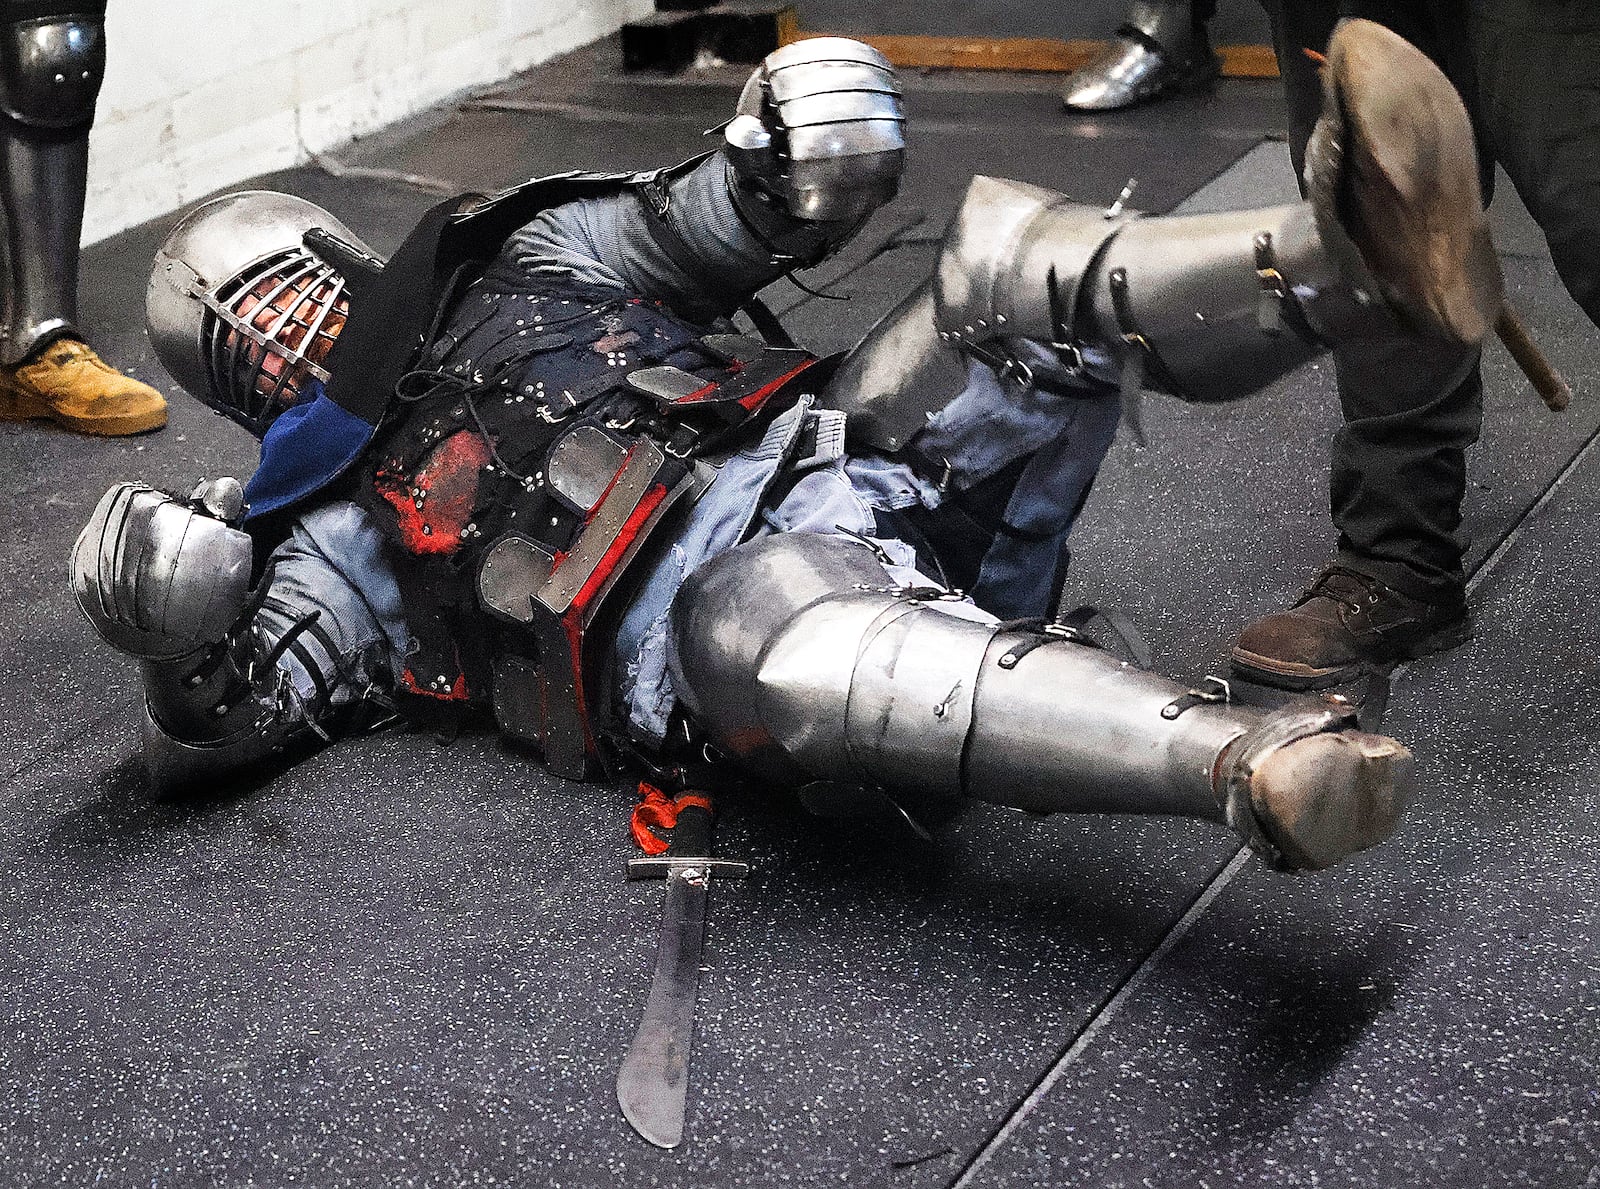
(1163, 46)
(52, 61)
(802, 661)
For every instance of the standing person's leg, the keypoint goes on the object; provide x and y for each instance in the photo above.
(52, 58)
(1162, 46)
(1398, 466)
(1538, 75)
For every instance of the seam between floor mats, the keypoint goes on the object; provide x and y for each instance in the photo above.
(1103, 1015)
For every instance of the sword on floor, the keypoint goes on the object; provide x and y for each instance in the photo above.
(653, 1083)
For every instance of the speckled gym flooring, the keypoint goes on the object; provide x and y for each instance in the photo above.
(407, 964)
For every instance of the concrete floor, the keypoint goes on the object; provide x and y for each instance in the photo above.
(404, 964)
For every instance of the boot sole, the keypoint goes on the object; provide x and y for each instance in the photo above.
(1266, 670)
(1410, 160)
(22, 406)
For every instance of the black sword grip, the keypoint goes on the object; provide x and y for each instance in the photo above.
(691, 836)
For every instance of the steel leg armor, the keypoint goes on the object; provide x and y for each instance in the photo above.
(1209, 307)
(1163, 45)
(51, 67)
(801, 662)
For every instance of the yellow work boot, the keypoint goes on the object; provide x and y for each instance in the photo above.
(72, 386)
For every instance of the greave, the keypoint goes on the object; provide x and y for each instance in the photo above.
(43, 178)
(799, 661)
(51, 67)
(1393, 241)
(1218, 306)
(1210, 307)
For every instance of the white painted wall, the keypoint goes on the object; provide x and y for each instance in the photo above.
(200, 94)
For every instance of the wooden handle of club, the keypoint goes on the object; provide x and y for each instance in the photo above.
(1513, 332)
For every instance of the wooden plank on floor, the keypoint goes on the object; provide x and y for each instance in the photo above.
(1029, 53)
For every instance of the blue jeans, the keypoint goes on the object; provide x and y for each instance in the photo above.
(335, 560)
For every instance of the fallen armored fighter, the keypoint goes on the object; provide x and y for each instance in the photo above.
(526, 465)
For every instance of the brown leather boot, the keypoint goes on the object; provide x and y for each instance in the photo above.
(72, 386)
(1347, 623)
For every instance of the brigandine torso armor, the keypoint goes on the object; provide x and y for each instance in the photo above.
(548, 431)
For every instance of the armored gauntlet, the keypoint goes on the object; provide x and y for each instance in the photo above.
(168, 581)
(162, 578)
(820, 138)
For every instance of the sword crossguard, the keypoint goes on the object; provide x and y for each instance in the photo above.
(663, 866)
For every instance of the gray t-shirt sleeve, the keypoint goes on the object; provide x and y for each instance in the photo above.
(612, 242)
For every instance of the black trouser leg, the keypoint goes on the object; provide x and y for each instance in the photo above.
(1399, 464)
(1538, 77)
(1411, 409)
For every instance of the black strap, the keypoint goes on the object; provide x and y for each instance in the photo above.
(1118, 621)
(1375, 701)
(1122, 306)
(1280, 307)
(388, 327)
(379, 343)
(767, 325)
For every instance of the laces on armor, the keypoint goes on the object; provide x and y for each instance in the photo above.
(802, 286)
(423, 383)
(878, 551)
(929, 594)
